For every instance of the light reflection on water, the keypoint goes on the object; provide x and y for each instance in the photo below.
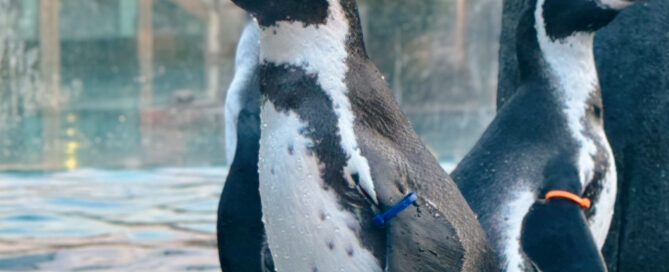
(100, 220)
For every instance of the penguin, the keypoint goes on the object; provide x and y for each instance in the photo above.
(542, 177)
(244, 89)
(336, 153)
(240, 231)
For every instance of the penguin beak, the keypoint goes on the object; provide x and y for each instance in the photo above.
(556, 237)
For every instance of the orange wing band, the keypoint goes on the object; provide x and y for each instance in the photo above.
(584, 202)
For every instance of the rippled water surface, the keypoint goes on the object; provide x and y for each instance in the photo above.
(97, 220)
(100, 220)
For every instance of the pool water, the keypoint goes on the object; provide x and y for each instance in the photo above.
(111, 220)
(101, 220)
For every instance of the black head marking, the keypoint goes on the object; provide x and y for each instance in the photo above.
(269, 12)
(565, 17)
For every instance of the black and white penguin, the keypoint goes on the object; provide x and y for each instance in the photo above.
(542, 178)
(240, 231)
(244, 90)
(336, 150)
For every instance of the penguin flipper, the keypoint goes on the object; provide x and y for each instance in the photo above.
(421, 239)
(555, 236)
(267, 261)
(240, 230)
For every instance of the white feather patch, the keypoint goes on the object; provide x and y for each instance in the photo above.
(572, 63)
(514, 212)
(321, 50)
(600, 222)
(306, 227)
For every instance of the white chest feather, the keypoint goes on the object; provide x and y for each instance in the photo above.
(571, 62)
(306, 228)
(514, 213)
(321, 51)
(601, 221)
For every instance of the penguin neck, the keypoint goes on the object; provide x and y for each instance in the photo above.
(565, 67)
(569, 63)
(555, 44)
(320, 52)
(319, 49)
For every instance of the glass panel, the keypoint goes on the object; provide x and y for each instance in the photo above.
(439, 57)
(111, 118)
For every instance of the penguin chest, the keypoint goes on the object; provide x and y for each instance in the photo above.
(307, 228)
(602, 191)
(512, 212)
(597, 170)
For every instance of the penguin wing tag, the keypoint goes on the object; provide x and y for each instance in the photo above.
(381, 219)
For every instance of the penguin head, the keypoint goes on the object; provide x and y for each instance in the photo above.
(325, 16)
(563, 18)
(268, 12)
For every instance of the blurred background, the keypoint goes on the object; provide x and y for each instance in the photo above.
(111, 118)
